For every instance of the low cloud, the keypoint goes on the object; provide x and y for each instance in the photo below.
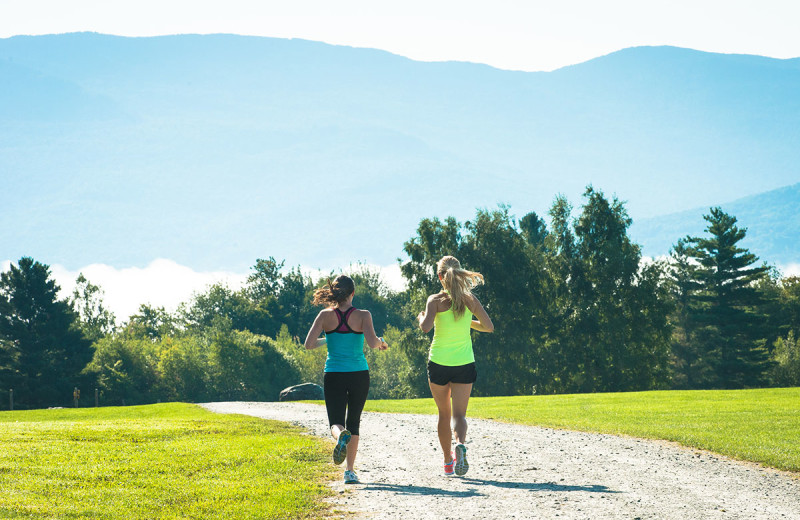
(165, 283)
(789, 269)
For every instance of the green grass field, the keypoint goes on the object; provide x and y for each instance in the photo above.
(756, 425)
(159, 461)
(180, 461)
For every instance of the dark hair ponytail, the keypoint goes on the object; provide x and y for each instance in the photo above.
(334, 292)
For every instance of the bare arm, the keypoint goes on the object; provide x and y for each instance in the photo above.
(427, 316)
(370, 337)
(312, 339)
(484, 322)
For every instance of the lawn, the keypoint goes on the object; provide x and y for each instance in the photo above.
(760, 425)
(158, 461)
(180, 461)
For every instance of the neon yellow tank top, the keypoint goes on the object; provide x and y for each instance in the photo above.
(452, 343)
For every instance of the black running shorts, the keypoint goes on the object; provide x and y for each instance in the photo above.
(441, 374)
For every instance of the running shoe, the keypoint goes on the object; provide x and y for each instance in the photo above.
(350, 477)
(340, 451)
(462, 466)
(448, 467)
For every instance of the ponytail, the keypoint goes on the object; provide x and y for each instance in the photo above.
(457, 282)
(334, 292)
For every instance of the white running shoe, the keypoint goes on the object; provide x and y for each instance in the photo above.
(340, 451)
(462, 466)
(350, 477)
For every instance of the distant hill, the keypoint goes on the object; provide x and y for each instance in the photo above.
(215, 150)
(772, 220)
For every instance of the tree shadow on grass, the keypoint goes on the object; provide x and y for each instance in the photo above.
(421, 490)
(538, 486)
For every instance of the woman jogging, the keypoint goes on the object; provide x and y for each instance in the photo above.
(346, 379)
(451, 363)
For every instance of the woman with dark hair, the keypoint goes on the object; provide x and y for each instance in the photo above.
(346, 379)
(451, 362)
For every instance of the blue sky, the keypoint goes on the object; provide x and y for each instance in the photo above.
(510, 34)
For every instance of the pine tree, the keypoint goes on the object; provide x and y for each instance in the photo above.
(690, 367)
(726, 308)
(43, 347)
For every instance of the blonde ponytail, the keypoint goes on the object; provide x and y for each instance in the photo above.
(457, 282)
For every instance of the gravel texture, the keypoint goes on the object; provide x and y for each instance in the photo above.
(530, 472)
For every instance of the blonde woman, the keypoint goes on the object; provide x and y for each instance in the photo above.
(346, 379)
(451, 362)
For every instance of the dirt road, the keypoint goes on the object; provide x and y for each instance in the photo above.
(525, 472)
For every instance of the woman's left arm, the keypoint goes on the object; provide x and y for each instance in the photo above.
(484, 322)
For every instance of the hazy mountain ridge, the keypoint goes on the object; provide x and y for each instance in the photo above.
(772, 221)
(214, 150)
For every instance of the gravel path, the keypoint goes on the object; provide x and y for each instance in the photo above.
(530, 472)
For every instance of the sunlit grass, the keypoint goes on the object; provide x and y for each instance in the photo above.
(756, 425)
(159, 461)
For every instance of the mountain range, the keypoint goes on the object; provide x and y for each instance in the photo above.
(772, 221)
(215, 150)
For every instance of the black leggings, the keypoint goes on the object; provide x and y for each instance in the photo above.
(345, 395)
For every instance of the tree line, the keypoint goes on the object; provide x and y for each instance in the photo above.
(577, 308)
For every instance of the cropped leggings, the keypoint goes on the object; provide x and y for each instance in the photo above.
(345, 396)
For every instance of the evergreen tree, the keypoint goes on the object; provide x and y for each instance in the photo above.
(43, 347)
(690, 367)
(726, 309)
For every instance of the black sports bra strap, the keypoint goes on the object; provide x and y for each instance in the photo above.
(343, 317)
(346, 317)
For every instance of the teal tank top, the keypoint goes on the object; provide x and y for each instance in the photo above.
(345, 346)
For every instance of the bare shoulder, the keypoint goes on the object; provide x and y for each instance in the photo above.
(439, 297)
(324, 313)
(441, 300)
(363, 314)
(360, 319)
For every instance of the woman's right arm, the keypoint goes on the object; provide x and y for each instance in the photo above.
(484, 322)
(312, 339)
(427, 316)
(372, 339)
